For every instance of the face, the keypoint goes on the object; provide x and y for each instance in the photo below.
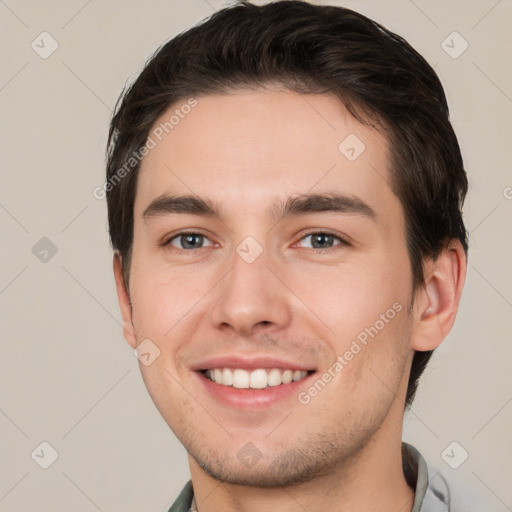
(287, 261)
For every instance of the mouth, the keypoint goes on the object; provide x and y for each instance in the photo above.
(254, 389)
(259, 378)
(252, 382)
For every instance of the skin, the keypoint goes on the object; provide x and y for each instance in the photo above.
(341, 451)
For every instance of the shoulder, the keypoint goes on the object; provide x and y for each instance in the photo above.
(440, 490)
(184, 500)
(464, 497)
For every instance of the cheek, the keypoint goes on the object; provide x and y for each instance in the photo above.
(366, 313)
(349, 299)
(161, 296)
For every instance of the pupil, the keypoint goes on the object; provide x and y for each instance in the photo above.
(189, 240)
(321, 238)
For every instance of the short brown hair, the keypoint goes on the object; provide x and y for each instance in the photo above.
(309, 49)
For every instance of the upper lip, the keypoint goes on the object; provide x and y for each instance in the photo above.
(252, 363)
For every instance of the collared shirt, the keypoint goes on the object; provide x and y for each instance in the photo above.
(431, 489)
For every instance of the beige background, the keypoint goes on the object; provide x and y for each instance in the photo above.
(67, 376)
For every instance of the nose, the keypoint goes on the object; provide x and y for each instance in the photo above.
(252, 297)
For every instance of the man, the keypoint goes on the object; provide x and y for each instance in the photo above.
(284, 193)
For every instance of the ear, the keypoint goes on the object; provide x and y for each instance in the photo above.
(123, 296)
(437, 301)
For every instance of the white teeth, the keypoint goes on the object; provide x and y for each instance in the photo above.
(274, 377)
(256, 379)
(297, 375)
(240, 379)
(227, 377)
(287, 376)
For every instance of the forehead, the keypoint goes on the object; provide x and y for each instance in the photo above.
(244, 149)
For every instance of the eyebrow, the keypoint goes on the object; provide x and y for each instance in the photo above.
(302, 204)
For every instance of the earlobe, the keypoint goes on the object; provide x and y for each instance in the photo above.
(123, 297)
(437, 301)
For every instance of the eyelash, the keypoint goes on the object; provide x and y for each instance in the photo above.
(342, 241)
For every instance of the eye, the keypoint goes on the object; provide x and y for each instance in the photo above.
(324, 240)
(187, 241)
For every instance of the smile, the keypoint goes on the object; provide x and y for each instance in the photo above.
(256, 379)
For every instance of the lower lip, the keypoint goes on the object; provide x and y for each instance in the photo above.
(253, 398)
